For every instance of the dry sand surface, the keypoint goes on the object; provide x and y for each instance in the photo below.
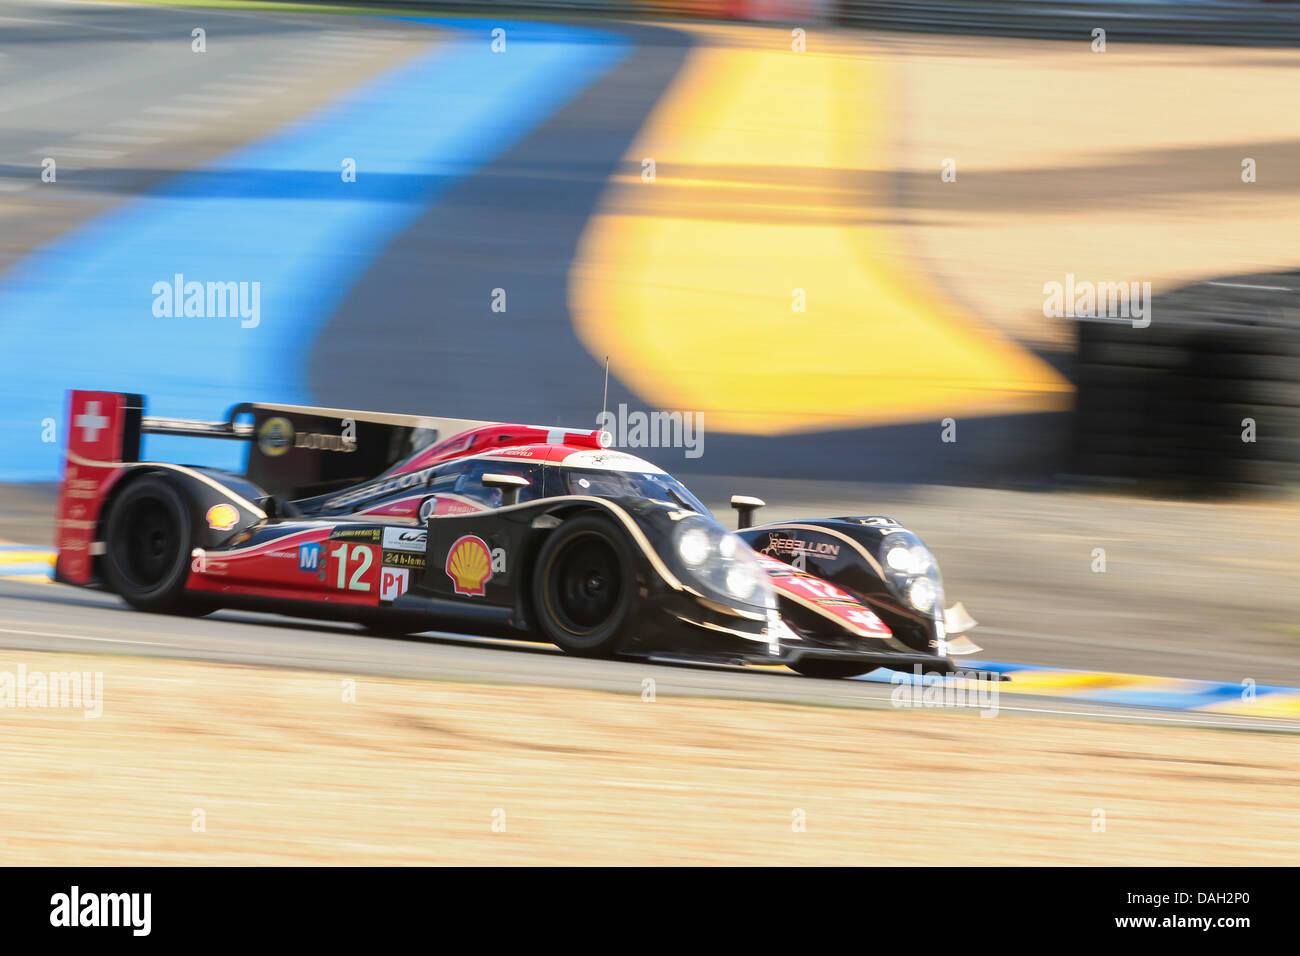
(287, 772)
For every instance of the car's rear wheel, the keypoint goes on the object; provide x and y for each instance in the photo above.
(584, 588)
(148, 539)
(816, 668)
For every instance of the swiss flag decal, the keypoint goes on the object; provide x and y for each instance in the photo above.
(103, 430)
(95, 424)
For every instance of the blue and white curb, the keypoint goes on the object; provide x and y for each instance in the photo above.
(19, 562)
(1244, 698)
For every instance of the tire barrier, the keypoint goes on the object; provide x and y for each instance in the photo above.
(1205, 399)
(1211, 23)
(1218, 23)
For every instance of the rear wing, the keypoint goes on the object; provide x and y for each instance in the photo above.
(298, 451)
(295, 451)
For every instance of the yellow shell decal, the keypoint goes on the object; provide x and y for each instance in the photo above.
(469, 565)
(222, 517)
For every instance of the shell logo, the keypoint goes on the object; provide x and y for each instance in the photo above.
(469, 565)
(222, 517)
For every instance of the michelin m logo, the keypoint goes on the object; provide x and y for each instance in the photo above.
(308, 557)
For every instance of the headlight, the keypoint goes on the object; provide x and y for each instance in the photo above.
(899, 557)
(721, 564)
(727, 546)
(693, 546)
(922, 560)
(911, 571)
(741, 580)
(908, 558)
(922, 592)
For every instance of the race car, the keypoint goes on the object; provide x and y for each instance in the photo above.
(406, 523)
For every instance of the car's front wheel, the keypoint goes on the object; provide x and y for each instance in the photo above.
(816, 668)
(584, 588)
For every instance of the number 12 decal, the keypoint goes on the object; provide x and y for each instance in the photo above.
(359, 553)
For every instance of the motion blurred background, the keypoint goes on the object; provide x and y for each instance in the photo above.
(811, 231)
(825, 232)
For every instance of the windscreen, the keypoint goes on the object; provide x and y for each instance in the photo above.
(618, 484)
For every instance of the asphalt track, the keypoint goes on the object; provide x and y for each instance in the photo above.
(88, 622)
(1023, 565)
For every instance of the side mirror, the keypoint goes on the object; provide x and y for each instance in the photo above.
(746, 506)
(510, 486)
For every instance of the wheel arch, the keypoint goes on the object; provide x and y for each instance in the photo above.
(199, 491)
(130, 475)
(565, 512)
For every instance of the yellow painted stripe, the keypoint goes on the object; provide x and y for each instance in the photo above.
(688, 282)
(1049, 682)
(26, 557)
(1265, 705)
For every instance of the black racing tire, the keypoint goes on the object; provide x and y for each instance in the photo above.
(831, 669)
(195, 607)
(584, 587)
(148, 538)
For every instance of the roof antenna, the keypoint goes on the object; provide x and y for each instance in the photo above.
(604, 402)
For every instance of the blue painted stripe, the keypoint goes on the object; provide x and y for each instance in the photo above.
(23, 570)
(1153, 697)
(79, 311)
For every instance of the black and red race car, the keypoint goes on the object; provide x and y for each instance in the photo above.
(407, 524)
